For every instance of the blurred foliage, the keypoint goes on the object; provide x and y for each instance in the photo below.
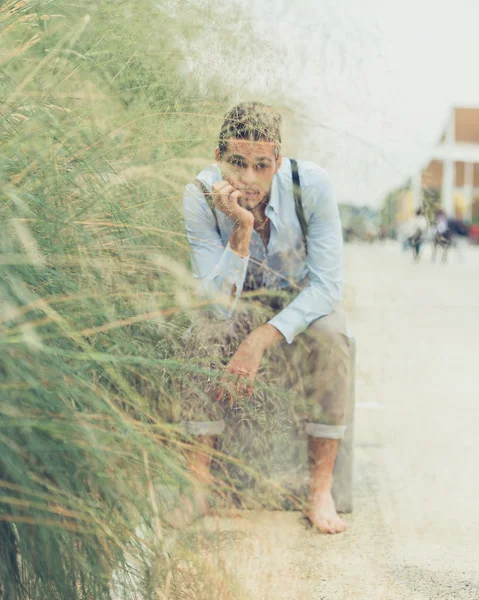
(100, 127)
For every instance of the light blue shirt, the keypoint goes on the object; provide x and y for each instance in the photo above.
(284, 262)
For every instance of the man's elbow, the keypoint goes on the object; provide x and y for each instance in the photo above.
(329, 297)
(222, 304)
(336, 295)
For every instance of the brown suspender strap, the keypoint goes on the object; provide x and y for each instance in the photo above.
(298, 203)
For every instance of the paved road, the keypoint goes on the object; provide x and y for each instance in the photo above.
(415, 530)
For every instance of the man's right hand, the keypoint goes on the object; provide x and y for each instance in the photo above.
(226, 199)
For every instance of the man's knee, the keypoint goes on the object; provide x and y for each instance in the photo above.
(330, 332)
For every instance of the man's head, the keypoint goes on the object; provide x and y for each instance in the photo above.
(249, 150)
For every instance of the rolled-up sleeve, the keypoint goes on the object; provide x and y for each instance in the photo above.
(324, 259)
(219, 270)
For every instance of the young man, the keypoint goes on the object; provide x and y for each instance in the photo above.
(247, 238)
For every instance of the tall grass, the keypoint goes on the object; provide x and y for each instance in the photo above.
(100, 127)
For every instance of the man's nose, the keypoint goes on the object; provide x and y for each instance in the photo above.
(248, 175)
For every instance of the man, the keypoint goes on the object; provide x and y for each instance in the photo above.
(441, 235)
(251, 239)
(417, 230)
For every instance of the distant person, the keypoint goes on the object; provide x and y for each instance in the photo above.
(474, 233)
(459, 235)
(417, 230)
(442, 235)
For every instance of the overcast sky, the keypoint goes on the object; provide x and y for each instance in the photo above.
(375, 78)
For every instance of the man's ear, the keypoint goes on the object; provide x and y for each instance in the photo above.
(217, 155)
(279, 162)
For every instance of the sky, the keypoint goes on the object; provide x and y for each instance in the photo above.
(368, 85)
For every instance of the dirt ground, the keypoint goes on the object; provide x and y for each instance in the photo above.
(414, 532)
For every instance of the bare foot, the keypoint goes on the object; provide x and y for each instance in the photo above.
(322, 513)
(189, 509)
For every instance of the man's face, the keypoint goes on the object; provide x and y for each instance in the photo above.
(250, 167)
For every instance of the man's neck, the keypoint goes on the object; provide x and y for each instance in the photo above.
(259, 212)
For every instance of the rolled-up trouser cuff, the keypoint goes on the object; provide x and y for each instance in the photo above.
(203, 427)
(329, 432)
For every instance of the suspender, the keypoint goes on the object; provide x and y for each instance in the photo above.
(298, 205)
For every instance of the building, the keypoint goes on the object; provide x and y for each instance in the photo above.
(452, 173)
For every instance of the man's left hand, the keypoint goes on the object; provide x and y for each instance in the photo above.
(240, 372)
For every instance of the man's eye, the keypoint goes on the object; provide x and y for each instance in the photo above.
(260, 166)
(238, 163)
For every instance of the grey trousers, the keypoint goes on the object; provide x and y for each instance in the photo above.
(312, 373)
